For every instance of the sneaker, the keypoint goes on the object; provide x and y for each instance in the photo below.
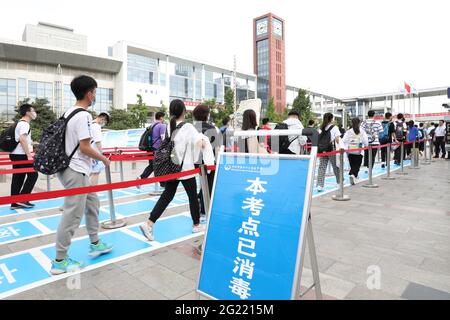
(28, 203)
(25, 204)
(99, 249)
(355, 180)
(203, 219)
(66, 265)
(138, 187)
(147, 231)
(319, 189)
(352, 180)
(198, 228)
(15, 206)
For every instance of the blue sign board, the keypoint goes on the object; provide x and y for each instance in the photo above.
(256, 227)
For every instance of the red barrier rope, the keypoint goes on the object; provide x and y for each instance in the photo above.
(21, 170)
(90, 189)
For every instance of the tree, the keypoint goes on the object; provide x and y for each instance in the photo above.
(122, 120)
(302, 105)
(45, 117)
(140, 111)
(229, 101)
(272, 114)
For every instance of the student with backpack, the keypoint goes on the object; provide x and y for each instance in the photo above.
(201, 116)
(400, 136)
(373, 129)
(178, 152)
(97, 137)
(413, 133)
(291, 144)
(151, 140)
(23, 183)
(386, 136)
(355, 138)
(329, 137)
(422, 136)
(76, 140)
(249, 144)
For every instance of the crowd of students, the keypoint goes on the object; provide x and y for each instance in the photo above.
(191, 144)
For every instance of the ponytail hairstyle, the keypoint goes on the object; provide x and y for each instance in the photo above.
(327, 118)
(176, 110)
(355, 125)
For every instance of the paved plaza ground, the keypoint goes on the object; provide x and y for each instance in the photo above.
(402, 227)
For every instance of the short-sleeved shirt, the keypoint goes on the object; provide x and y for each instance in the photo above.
(373, 130)
(23, 127)
(413, 133)
(440, 131)
(78, 128)
(97, 136)
(158, 131)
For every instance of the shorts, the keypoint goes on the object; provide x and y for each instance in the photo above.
(97, 166)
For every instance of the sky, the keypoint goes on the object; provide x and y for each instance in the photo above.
(342, 48)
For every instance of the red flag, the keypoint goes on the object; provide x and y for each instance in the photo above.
(407, 88)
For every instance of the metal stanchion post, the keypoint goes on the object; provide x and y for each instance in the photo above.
(49, 187)
(370, 184)
(340, 196)
(425, 153)
(114, 223)
(402, 156)
(388, 163)
(121, 171)
(206, 196)
(414, 157)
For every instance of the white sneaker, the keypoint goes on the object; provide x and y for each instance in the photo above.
(198, 228)
(352, 180)
(138, 187)
(355, 180)
(203, 219)
(147, 231)
(319, 189)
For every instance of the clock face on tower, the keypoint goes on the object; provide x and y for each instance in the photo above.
(261, 26)
(277, 27)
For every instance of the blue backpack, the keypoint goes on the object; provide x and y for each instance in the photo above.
(383, 137)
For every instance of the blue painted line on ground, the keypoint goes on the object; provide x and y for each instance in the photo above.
(13, 232)
(170, 229)
(29, 269)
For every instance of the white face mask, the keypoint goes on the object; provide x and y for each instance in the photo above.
(33, 115)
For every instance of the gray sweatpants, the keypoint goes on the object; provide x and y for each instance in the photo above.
(74, 208)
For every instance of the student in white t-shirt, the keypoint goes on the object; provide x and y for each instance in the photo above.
(23, 183)
(96, 128)
(355, 138)
(328, 129)
(78, 140)
(188, 143)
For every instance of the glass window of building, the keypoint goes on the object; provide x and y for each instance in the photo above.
(8, 99)
(40, 90)
(22, 89)
(142, 69)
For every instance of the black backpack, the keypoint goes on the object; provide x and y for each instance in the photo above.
(164, 162)
(325, 144)
(284, 140)
(8, 138)
(399, 131)
(146, 142)
(51, 156)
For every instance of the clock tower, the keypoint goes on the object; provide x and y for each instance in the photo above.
(269, 60)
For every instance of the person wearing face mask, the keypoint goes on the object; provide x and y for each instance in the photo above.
(96, 127)
(23, 183)
(78, 137)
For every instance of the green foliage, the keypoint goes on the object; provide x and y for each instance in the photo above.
(140, 111)
(220, 112)
(272, 114)
(163, 108)
(122, 119)
(45, 117)
(302, 104)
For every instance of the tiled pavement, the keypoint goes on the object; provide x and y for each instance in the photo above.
(403, 227)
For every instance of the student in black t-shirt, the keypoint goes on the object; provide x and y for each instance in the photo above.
(387, 136)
